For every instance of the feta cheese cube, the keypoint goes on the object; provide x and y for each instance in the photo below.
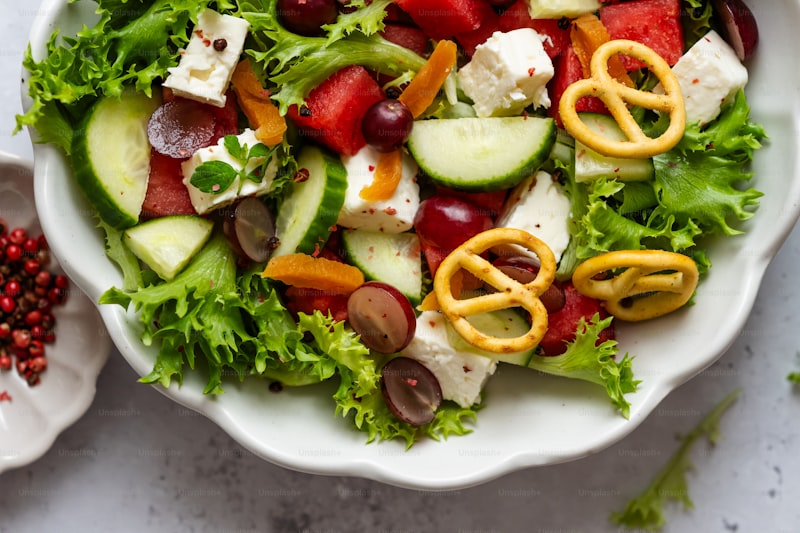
(461, 375)
(204, 202)
(709, 73)
(507, 73)
(539, 206)
(206, 67)
(394, 215)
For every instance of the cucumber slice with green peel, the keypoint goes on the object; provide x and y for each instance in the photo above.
(504, 323)
(111, 156)
(481, 154)
(168, 244)
(589, 165)
(310, 211)
(393, 258)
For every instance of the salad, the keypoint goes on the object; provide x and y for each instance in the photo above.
(332, 158)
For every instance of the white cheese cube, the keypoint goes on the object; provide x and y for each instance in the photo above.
(461, 375)
(709, 73)
(205, 70)
(394, 215)
(539, 206)
(204, 202)
(507, 73)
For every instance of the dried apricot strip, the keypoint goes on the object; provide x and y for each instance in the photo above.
(425, 85)
(587, 33)
(307, 272)
(645, 283)
(388, 173)
(255, 103)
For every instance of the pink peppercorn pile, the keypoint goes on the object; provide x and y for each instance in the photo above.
(28, 294)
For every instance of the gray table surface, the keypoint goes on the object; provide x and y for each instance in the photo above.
(147, 464)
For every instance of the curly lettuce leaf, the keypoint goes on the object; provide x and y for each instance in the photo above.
(296, 64)
(131, 46)
(646, 511)
(586, 360)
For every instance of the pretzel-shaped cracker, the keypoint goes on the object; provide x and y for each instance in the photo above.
(654, 282)
(510, 293)
(616, 96)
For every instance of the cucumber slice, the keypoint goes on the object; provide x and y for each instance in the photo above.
(168, 244)
(504, 323)
(481, 154)
(555, 9)
(111, 160)
(312, 208)
(393, 258)
(589, 165)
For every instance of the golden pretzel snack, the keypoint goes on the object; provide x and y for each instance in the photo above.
(653, 282)
(617, 97)
(510, 293)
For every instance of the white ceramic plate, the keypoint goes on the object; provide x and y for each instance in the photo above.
(529, 419)
(34, 416)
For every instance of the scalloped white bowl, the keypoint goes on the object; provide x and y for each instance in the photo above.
(34, 416)
(528, 419)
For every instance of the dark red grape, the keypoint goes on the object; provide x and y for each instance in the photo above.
(180, 127)
(250, 229)
(306, 17)
(382, 316)
(410, 390)
(738, 26)
(524, 269)
(387, 124)
(446, 222)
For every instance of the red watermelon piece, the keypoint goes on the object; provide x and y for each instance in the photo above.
(562, 324)
(517, 16)
(655, 23)
(309, 300)
(568, 70)
(334, 110)
(441, 19)
(227, 118)
(166, 193)
(490, 23)
(405, 35)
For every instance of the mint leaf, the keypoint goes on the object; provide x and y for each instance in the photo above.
(236, 150)
(260, 150)
(213, 177)
(646, 511)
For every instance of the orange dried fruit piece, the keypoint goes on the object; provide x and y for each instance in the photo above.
(308, 272)
(388, 173)
(587, 34)
(254, 101)
(425, 85)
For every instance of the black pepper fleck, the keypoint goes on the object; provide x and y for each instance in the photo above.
(220, 44)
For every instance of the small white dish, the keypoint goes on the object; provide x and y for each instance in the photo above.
(528, 419)
(31, 417)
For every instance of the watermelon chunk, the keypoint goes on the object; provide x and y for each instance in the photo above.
(517, 16)
(654, 23)
(441, 19)
(166, 194)
(309, 300)
(227, 118)
(471, 39)
(561, 325)
(568, 70)
(405, 35)
(334, 110)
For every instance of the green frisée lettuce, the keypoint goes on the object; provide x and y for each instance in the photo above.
(646, 511)
(696, 192)
(587, 360)
(130, 46)
(296, 64)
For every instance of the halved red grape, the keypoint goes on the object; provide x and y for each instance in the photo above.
(382, 316)
(446, 222)
(524, 269)
(250, 228)
(410, 390)
(387, 124)
(180, 127)
(738, 26)
(306, 17)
